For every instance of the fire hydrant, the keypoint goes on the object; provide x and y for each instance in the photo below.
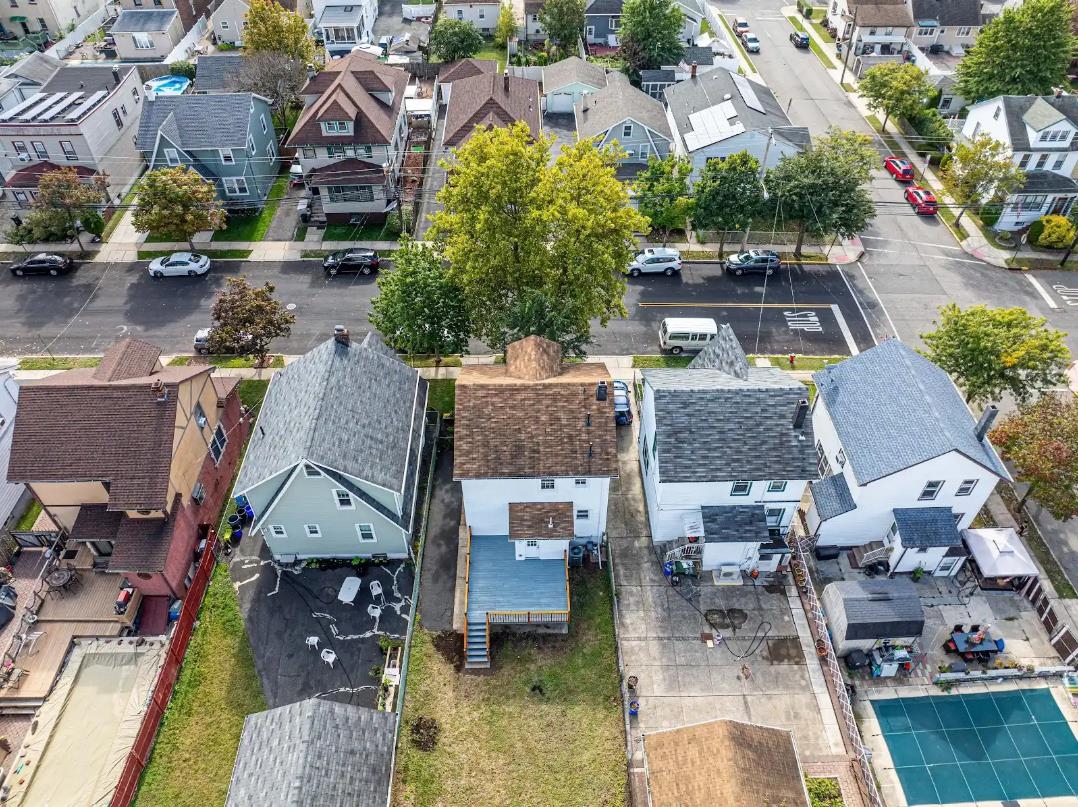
(793, 360)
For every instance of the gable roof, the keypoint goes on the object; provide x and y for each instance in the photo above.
(875, 609)
(1046, 110)
(894, 14)
(570, 70)
(892, 409)
(465, 68)
(36, 68)
(528, 418)
(714, 427)
(924, 527)
(541, 521)
(491, 101)
(103, 424)
(832, 496)
(949, 12)
(199, 121)
(348, 89)
(313, 410)
(603, 7)
(737, 753)
(698, 54)
(735, 523)
(314, 753)
(724, 354)
(218, 72)
(619, 101)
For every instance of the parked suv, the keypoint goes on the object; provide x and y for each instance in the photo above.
(351, 260)
(755, 260)
(751, 42)
(800, 40)
(654, 260)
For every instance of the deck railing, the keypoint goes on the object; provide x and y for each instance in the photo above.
(467, 578)
(526, 617)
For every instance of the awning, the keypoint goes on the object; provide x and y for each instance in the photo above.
(19, 18)
(999, 553)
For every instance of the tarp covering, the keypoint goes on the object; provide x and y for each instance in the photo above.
(87, 726)
(999, 553)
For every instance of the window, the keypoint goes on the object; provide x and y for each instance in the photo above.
(872, 31)
(1058, 164)
(142, 41)
(582, 515)
(311, 472)
(945, 103)
(199, 415)
(40, 150)
(964, 31)
(534, 544)
(224, 25)
(68, 149)
(614, 23)
(1041, 160)
(116, 117)
(19, 146)
(740, 488)
(889, 32)
(172, 157)
(891, 533)
(460, 14)
(313, 530)
(958, 518)
(366, 533)
(235, 186)
(965, 488)
(925, 31)
(776, 486)
(135, 95)
(262, 121)
(482, 14)
(335, 126)
(308, 152)
(251, 143)
(1024, 161)
(123, 109)
(218, 443)
(931, 491)
(277, 531)
(840, 458)
(344, 500)
(627, 130)
(546, 484)
(227, 157)
(821, 460)
(774, 515)
(580, 483)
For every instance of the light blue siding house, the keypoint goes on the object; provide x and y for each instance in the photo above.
(332, 466)
(228, 138)
(620, 113)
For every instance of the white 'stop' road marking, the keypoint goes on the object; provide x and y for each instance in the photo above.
(1043, 292)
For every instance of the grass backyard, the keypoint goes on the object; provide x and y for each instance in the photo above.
(549, 698)
(219, 254)
(252, 391)
(231, 362)
(58, 362)
(388, 231)
(29, 516)
(442, 395)
(254, 228)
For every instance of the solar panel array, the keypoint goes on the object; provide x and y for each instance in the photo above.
(713, 125)
(46, 107)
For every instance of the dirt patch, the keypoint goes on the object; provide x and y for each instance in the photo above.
(450, 645)
(726, 618)
(425, 733)
(784, 651)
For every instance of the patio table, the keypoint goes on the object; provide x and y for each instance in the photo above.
(349, 589)
(58, 578)
(965, 644)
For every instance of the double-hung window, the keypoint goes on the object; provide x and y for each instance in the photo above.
(235, 186)
(68, 148)
(776, 486)
(40, 150)
(366, 533)
(172, 157)
(344, 500)
(546, 484)
(740, 488)
(227, 157)
(931, 490)
(966, 487)
(218, 443)
(313, 530)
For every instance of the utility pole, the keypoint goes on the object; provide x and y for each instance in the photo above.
(763, 173)
(849, 47)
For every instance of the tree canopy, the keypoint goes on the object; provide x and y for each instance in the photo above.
(981, 171)
(507, 25)
(276, 77)
(563, 21)
(895, 90)
(246, 319)
(452, 39)
(1041, 441)
(1026, 50)
(177, 201)
(514, 222)
(650, 34)
(991, 352)
(662, 194)
(63, 203)
(419, 308)
(728, 195)
(272, 27)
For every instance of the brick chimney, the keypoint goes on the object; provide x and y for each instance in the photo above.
(505, 80)
(340, 335)
(692, 70)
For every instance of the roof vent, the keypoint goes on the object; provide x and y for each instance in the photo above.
(600, 391)
(157, 387)
(727, 97)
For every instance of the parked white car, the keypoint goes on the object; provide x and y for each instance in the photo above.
(655, 260)
(180, 263)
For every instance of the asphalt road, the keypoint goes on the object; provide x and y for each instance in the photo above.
(809, 311)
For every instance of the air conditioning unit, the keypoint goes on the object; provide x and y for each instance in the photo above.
(728, 576)
(24, 158)
(199, 493)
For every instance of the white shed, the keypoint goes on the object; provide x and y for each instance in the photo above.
(863, 614)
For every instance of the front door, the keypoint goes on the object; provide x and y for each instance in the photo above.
(946, 567)
(531, 549)
(589, 33)
(1059, 205)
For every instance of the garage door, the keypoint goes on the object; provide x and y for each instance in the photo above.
(559, 102)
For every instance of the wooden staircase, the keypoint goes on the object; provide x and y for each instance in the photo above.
(867, 554)
(477, 645)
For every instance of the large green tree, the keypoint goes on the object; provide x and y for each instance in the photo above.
(419, 308)
(1026, 50)
(825, 189)
(516, 222)
(506, 27)
(535, 313)
(63, 207)
(981, 171)
(563, 22)
(650, 34)
(246, 319)
(1041, 441)
(728, 195)
(452, 39)
(662, 194)
(991, 352)
(177, 202)
(271, 27)
(895, 90)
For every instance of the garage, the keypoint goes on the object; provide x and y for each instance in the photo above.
(566, 82)
(561, 101)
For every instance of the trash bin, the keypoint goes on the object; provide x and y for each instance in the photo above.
(241, 502)
(235, 521)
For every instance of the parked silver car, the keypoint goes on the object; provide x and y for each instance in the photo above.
(655, 260)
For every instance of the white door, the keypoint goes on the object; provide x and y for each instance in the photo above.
(589, 33)
(531, 549)
(946, 567)
(559, 102)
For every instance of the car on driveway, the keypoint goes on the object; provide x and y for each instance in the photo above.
(922, 200)
(180, 263)
(901, 169)
(653, 261)
(751, 42)
(623, 409)
(741, 26)
(763, 261)
(363, 261)
(800, 39)
(44, 263)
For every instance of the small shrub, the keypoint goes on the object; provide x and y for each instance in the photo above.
(425, 733)
(807, 12)
(185, 69)
(1035, 230)
(386, 643)
(990, 215)
(1057, 233)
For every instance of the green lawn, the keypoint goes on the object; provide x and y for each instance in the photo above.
(58, 362)
(219, 254)
(666, 360)
(127, 202)
(389, 231)
(809, 363)
(420, 360)
(492, 52)
(218, 687)
(252, 391)
(500, 740)
(27, 519)
(816, 24)
(442, 395)
(253, 228)
(231, 362)
(824, 792)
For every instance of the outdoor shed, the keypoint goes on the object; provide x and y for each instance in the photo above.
(863, 614)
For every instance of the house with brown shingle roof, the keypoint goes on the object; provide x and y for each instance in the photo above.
(534, 451)
(131, 461)
(461, 69)
(488, 101)
(350, 138)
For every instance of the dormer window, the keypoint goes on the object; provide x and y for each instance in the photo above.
(336, 127)
(1054, 136)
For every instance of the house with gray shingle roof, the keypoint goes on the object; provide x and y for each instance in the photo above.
(228, 138)
(726, 451)
(147, 34)
(331, 471)
(567, 81)
(904, 463)
(620, 113)
(862, 614)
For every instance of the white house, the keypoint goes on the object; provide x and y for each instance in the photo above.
(726, 451)
(713, 115)
(12, 494)
(1040, 133)
(331, 469)
(873, 31)
(567, 81)
(534, 451)
(344, 24)
(229, 20)
(904, 464)
(483, 14)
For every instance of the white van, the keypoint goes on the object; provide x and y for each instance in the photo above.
(678, 334)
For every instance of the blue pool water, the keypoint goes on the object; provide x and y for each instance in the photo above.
(990, 746)
(167, 85)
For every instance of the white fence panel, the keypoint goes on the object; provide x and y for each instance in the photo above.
(186, 47)
(414, 12)
(75, 38)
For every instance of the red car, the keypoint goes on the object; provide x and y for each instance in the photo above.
(922, 200)
(900, 169)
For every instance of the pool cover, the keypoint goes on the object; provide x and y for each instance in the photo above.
(991, 746)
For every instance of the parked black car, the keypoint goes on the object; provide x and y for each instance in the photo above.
(755, 260)
(351, 260)
(43, 263)
(800, 39)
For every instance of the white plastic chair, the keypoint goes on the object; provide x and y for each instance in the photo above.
(329, 657)
(376, 592)
(312, 641)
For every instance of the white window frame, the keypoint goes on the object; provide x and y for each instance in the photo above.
(142, 41)
(776, 486)
(931, 490)
(580, 483)
(546, 484)
(277, 531)
(966, 487)
(840, 458)
(262, 122)
(313, 530)
(735, 488)
(311, 472)
(172, 157)
(198, 414)
(964, 31)
(351, 505)
(227, 157)
(369, 528)
(232, 186)
(224, 25)
(218, 444)
(583, 514)
(626, 130)
(772, 519)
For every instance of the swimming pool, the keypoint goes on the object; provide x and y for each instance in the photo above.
(166, 85)
(989, 746)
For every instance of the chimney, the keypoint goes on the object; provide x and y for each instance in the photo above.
(984, 425)
(116, 75)
(1058, 92)
(505, 79)
(600, 391)
(692, 70)
(800, 412)
(157, 388)
(340, 335)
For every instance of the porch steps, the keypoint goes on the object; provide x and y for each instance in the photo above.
(866, 554)
(477, 650)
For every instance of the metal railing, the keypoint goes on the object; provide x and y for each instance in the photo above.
(467, 577)
(526, 617)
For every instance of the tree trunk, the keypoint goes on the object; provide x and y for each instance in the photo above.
(961, 213)
(722, 242)
(666, 235)
(800, 239)
(1022, 501)
(886, 117)
(190, 242)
